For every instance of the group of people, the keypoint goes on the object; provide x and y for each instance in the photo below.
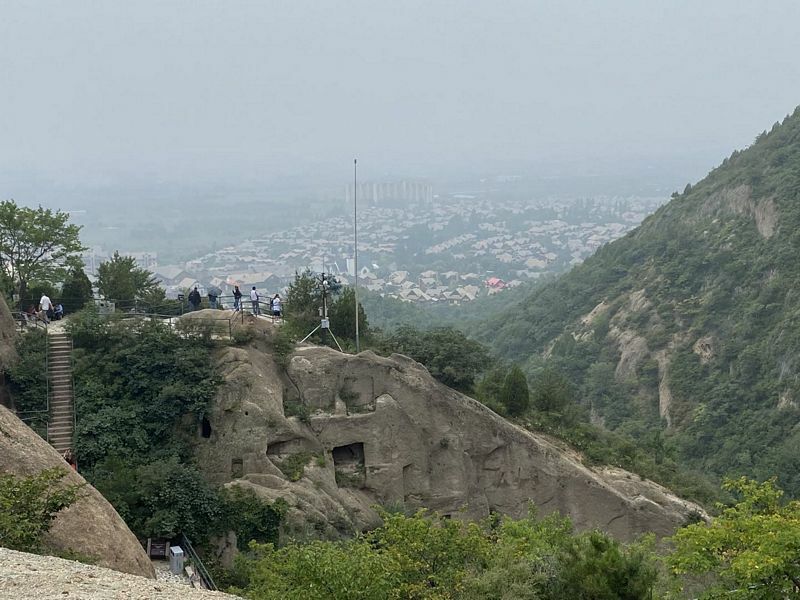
(195, 299)
(47, 311)
(274, 303)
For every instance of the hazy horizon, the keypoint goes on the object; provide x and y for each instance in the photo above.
(101, 93)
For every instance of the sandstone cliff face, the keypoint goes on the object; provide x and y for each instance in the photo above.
(90, 526)
(374, 430)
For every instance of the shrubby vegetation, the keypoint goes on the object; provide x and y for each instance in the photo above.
(28, 506)
(449, 355)
(750, 550)
(427, 557)
(27, 378)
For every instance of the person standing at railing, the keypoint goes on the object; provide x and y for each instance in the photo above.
(237, 298)
(212, 298)
(254, 300)
(194, 299)
(46, 306)
(276, 307)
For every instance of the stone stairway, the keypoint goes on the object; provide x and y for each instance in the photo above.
(62, 408)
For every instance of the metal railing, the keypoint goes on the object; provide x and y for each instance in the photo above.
(72, 391)
(200, 568)
(25, 320)
(41, 416)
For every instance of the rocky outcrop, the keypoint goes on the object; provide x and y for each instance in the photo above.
(33, 577)
(8, 334)
(91, 526)
(8, 352)
(374, 430)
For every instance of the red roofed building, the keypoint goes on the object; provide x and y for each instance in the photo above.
(495, 283)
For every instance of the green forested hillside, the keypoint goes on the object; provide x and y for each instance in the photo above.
(690, 323)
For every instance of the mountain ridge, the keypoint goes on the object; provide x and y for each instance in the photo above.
(688, 323)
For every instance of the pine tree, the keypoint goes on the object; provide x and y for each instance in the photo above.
(515, 395)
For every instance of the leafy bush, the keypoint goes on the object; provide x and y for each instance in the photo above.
(28, 506)
(449, 355)
(429, 557)
(283, 343)
(252, 519)
(294, 466)
(27, 377)
(750, 549)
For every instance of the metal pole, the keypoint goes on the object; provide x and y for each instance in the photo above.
(355, 242)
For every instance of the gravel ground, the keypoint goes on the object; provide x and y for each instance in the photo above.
(164, 574)
(32, 577)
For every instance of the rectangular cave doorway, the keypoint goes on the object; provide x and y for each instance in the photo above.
(348, 464)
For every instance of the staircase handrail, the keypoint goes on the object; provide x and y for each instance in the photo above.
(201, 568)
(24, 319)
(47, 381)
(72, 388)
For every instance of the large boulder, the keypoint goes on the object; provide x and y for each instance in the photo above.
(90, 527)
(334, 434)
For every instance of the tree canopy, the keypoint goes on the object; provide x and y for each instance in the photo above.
(449, 355)
(122, 280)
(76, 291)
(751, 548)
(36, 244)
(427, 557)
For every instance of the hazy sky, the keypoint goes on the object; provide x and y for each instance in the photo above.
(96, 91)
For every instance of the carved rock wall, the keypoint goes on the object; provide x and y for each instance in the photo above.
(378, 430)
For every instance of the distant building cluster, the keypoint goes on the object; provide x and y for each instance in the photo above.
(390, 193)
(456, 249)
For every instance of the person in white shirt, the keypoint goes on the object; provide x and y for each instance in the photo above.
(254, 300)
(46, 306)
(276, 307)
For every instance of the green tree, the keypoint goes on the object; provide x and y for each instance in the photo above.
(77, 290)
(598, 567)
(121, 280)
(515, 395)
(342, 317)
(490, 387)
(751, 548)
(449, 355)
(28, 506)
(36, 244)
(301, 310)
(551, 391)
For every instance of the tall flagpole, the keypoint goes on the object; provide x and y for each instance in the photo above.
(355, 241)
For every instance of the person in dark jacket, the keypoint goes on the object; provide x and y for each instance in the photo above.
(194, 299)
(237, 298)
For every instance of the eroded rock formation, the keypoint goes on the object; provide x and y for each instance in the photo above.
(373, 430)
